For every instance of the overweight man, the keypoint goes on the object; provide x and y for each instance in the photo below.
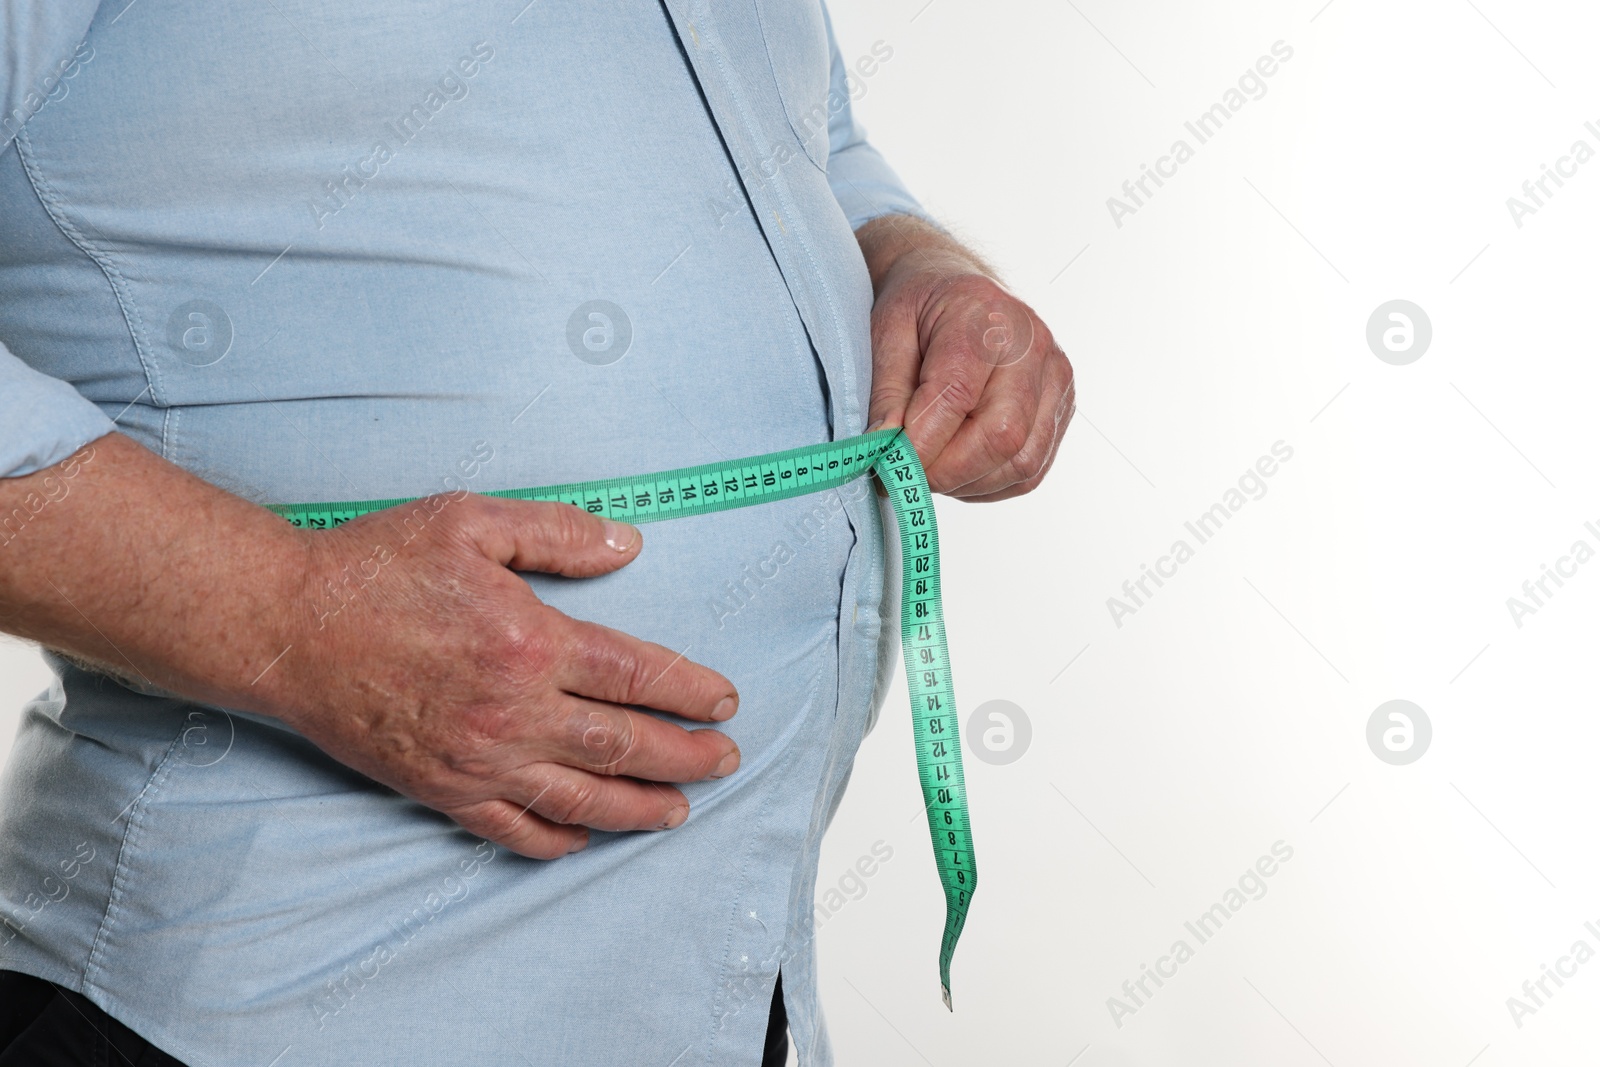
(470, 781)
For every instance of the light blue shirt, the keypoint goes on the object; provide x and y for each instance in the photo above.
(378, 249)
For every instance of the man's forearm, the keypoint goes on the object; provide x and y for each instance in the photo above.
(121, 559)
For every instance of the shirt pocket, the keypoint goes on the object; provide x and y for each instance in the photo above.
(796, 39)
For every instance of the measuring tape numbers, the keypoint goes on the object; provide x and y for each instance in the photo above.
(779, 476)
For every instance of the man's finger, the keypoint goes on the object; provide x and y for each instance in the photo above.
(1028, 462)
(605, 664)
(993, 433)
(1008, 438)
(896, 362)
(518, 829)
(954, 377)
(553, 538)
(1026, 471)
(572, 797)
(611, 740)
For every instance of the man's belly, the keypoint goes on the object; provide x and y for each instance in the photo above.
(284, 900)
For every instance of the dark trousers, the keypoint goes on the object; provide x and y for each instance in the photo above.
(43, 1025)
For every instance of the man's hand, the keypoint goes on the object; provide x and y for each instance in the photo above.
(973, 375)
(408, 650)
(438, 672)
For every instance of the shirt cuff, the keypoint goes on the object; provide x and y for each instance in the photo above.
(868, 188)
(43, 420)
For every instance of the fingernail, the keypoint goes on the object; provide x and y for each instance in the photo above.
(724, 709)
(619, 535)
(580, 843)
(729, 764)
(675, 819)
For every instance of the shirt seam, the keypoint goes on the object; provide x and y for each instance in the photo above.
(783, 97)
(785, 202)
(54, 206)
(727, 942)
(822, 798)
(169, 431)
(120, 875)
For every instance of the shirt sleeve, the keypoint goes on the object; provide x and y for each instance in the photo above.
(43, 420)
(862, 181)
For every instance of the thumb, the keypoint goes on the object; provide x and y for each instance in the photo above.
(554, 538)
(896, 363)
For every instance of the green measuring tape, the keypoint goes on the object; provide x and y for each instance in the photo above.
(778, 476)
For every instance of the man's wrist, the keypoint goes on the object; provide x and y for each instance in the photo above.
(140, 569)
(893, 244)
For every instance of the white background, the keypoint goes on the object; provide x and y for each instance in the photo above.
(1230, 711)
(1209, 725)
